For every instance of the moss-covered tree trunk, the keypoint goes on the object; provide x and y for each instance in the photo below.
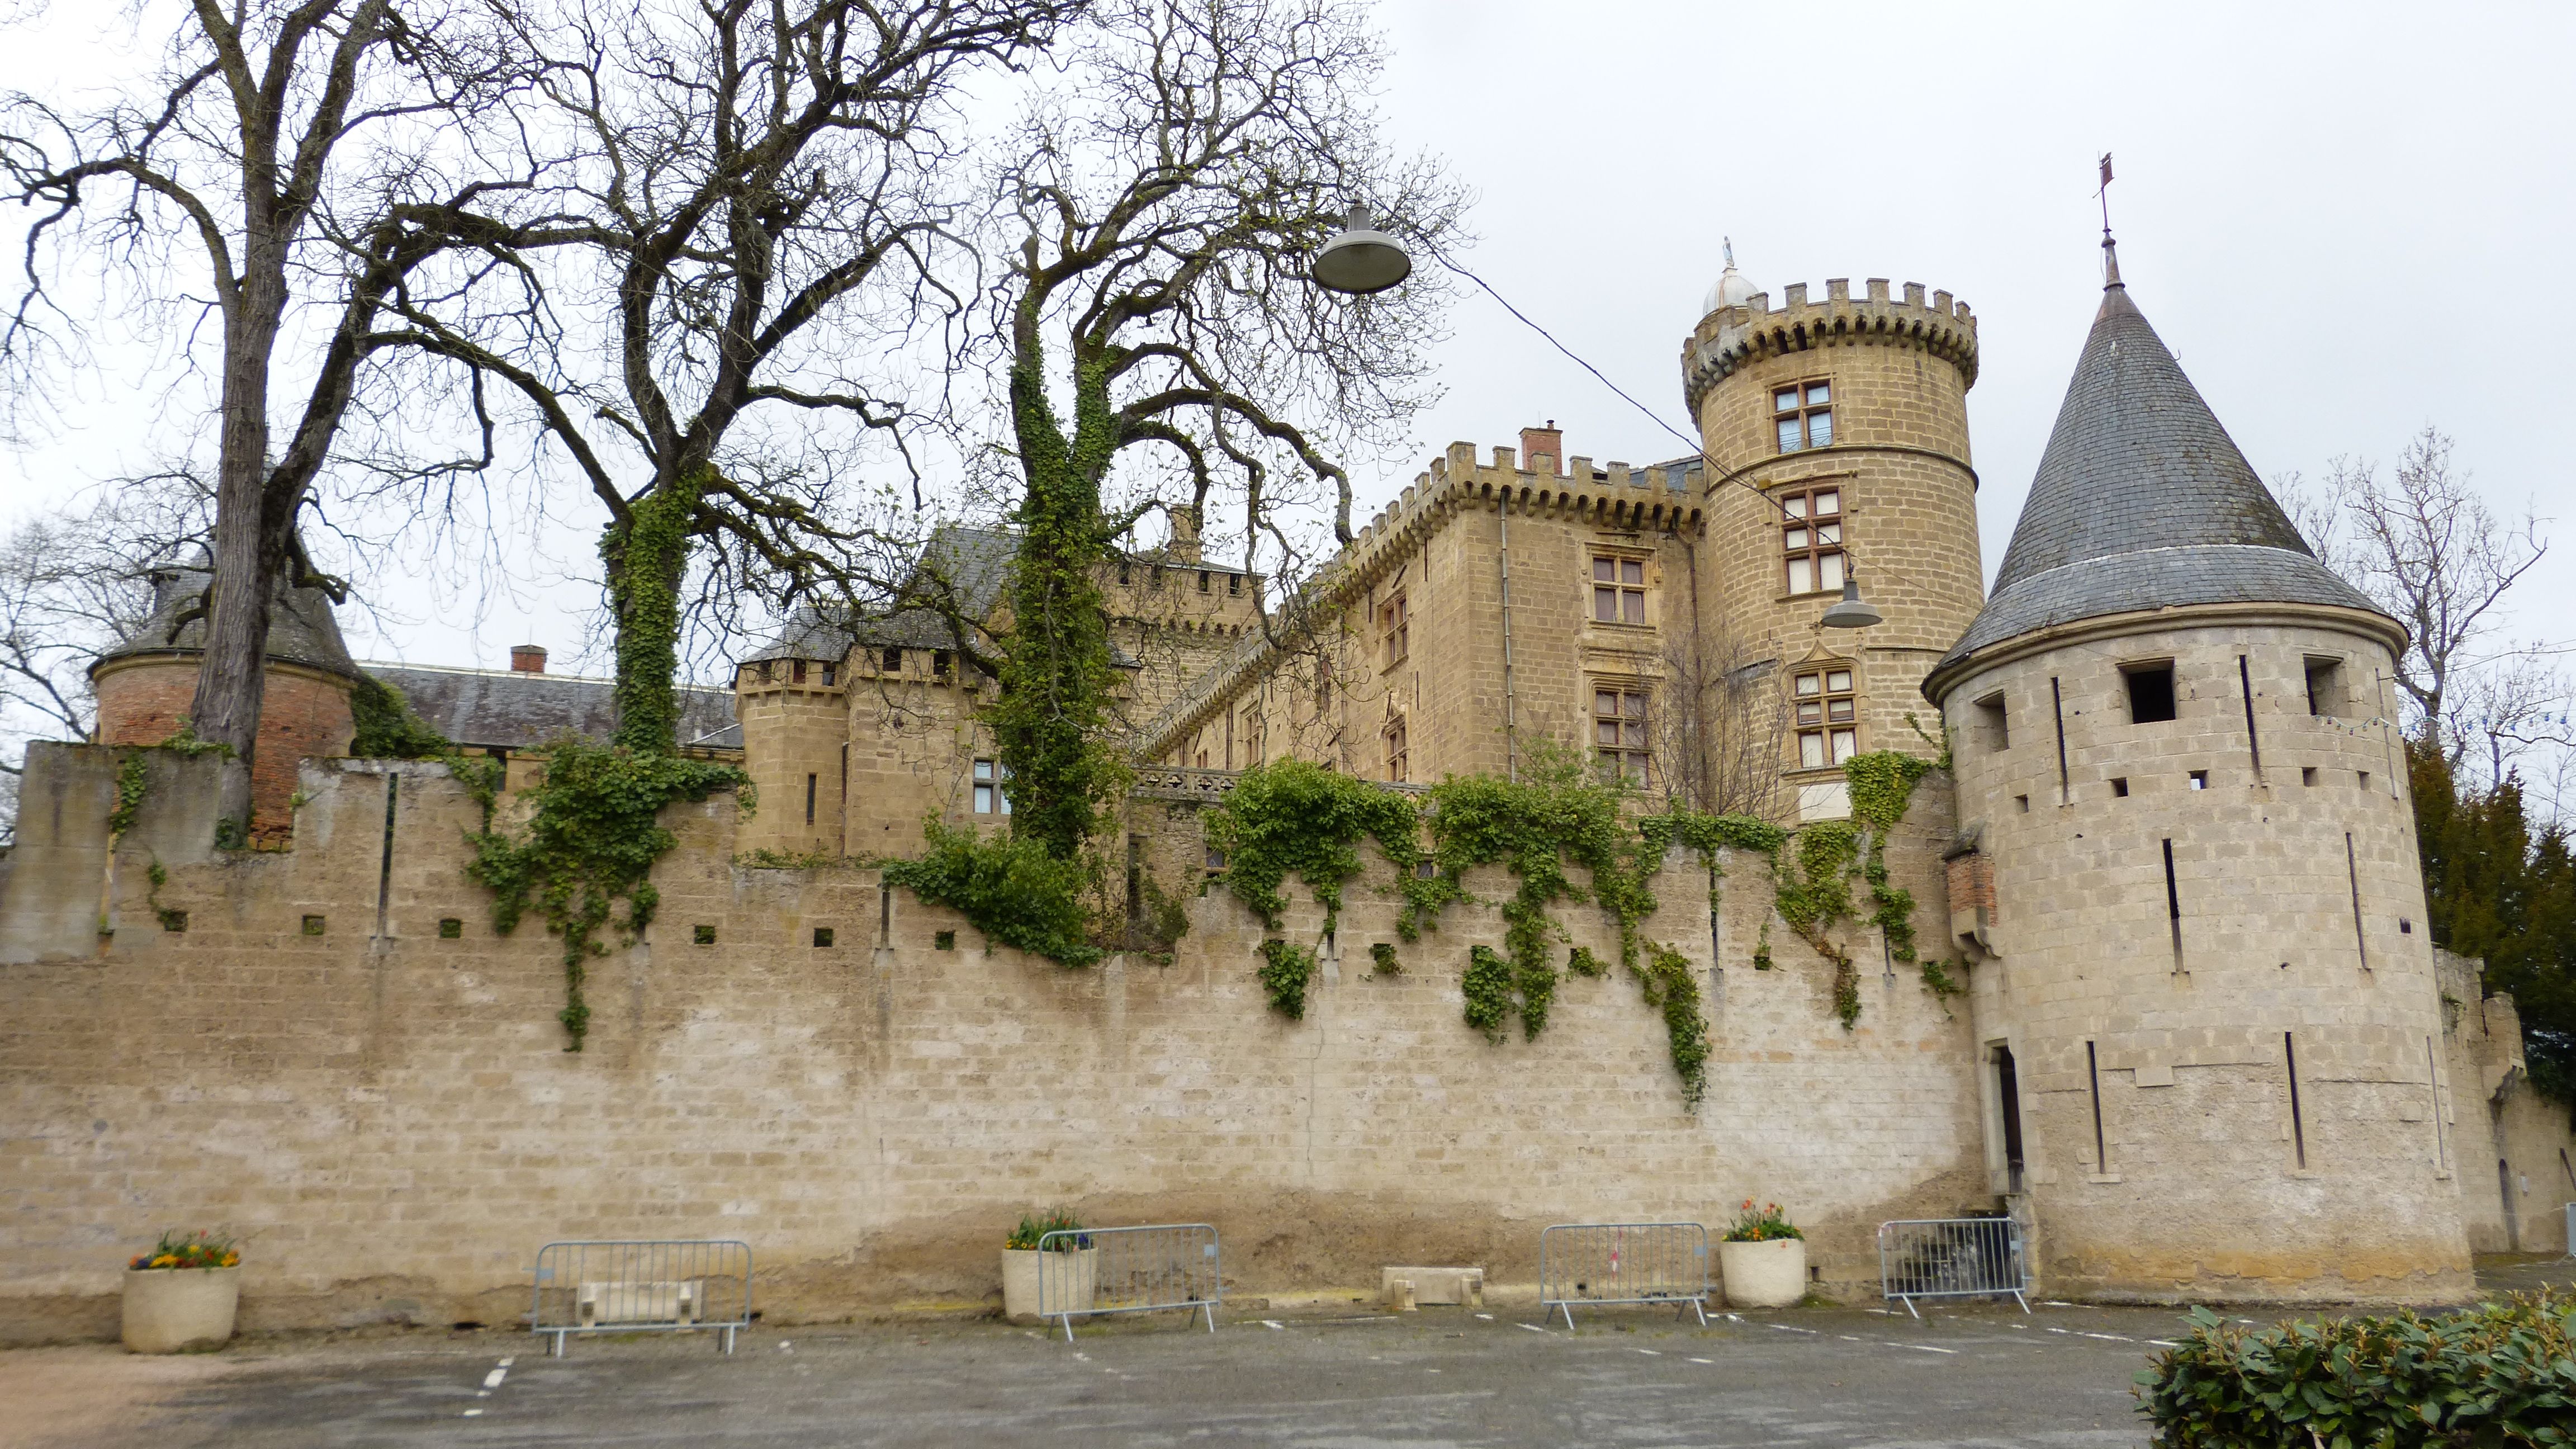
(1051, 722)
(647, 558)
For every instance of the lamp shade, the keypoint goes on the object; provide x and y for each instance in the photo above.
(1851, 611)
(1358, 260)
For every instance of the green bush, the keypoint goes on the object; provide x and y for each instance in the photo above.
(1008, 885)
(2502, 1373)
(1286, 968)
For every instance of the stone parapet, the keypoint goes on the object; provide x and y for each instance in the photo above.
(1730, 337)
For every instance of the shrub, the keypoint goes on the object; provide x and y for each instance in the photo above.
(2501, 1373)
(1285, 971)
(197, 1250)
(1765, 1224)
(1009, 886)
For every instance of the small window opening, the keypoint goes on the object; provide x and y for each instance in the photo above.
(2151, 691)
(313, 925)
(943, 941)
(893, 661)
(2298, 1122)
(796, 672)
(2365, 779)
(1993, 723)
(2325, 687)
(822, 935)
(1122, 571)
(704, 935)
(2307, 774)
(809, 799)
(2008, 1096)
(176, 922)
(2101, 1139)
(2023, 803)
(2200, 779)
(831, 675)
(450, 928)
(992, 795)
(1204, 580)
(2405, 926)
(1234, 584)
(1213, 859)
(939, 664)
(2120, 788)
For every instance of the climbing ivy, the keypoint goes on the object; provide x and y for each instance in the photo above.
(1285, 971)
(1383, 953)
(386, 727)
(1294, 816)
(1050, 721)
(591, 841)
(1487, 987)
(131, 782)
(1673, 989)
(1008, 887)
(647, 555)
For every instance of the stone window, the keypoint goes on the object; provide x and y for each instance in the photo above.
(1811, 536)
(1804, 415)
(796, 672)
(1203, 581)
(1619, 731)
(1828, 716)
(1398, 754)
(939, 664)
(1618, 590)
(1395, 629)
(831, 675)
(2151, 691)
(2325, 687)
(992, 797)
(1252, 736)
(893, 661)
(1993, 723)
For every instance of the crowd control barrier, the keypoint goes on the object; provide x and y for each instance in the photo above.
(642, 1286)
(1952, 1258)
(1129, 1270)
(1603, 1263)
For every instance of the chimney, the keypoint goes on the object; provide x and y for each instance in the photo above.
(528, 658)
(1548, 440)
(1184, 544)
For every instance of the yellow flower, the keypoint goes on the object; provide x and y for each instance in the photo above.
(165, 1261)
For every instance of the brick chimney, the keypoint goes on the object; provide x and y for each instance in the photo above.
(528, 658)
(1548, 440)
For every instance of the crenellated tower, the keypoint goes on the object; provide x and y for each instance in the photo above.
(1836, 438)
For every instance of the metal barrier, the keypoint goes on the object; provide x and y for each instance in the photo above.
(642, 1286)
(2571, 1230)
(1129, 1270)
(1952, 1258)
(1598, 1263)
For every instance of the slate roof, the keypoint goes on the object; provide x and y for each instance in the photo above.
(511, 709)
(975, 561)
(301, 627)
(2142, 501)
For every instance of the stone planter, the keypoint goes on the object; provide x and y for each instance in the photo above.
(1764, 1275)
(180, 1310)
(1069, 1278)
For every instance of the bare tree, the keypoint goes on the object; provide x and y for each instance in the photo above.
(1719, 725)
(74, 582)
(746, 202)
(1164, 203)
(2429, 550)
(309, 156)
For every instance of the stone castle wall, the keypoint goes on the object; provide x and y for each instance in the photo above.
(386, 1116)
(304, 714)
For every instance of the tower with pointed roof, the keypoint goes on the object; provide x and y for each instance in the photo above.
(2207, 1021)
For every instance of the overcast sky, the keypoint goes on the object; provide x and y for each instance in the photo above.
(2348, 221)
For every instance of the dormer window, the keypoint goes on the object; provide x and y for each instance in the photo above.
(1804, 415)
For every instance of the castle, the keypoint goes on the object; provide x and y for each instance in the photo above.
(2205, 1048)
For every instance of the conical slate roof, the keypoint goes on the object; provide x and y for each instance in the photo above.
(2142, 501)
(301, 626)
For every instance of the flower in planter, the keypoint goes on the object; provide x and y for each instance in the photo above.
(1032, 1231)
(1766, 1224)
(197, 1250)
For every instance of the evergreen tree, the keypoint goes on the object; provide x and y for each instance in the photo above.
(2498, 890)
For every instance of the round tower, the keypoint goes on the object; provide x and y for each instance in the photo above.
(2208, 1022)
(147, 682)
(1836, 435)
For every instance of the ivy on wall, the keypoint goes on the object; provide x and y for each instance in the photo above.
(592, 838)
(1293, 816)
(1286, 970)
(1008, 887)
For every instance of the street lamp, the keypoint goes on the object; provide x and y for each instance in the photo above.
(1358, 260)
(1851, 611)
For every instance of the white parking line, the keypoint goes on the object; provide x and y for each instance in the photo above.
(474, 1413)
(1784, 1328)
(1650, 1353)
(1703, 1360)
(1921, 1347)
(1272, 1323)
(1486, 1316)
(493, 1379)
(2164, 1343)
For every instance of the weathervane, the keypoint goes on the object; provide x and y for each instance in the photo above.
(2110, 257)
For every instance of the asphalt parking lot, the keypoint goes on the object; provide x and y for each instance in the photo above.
(1327, 1377)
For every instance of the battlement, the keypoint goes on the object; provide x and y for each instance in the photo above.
(1731, 337)
(1657, 498)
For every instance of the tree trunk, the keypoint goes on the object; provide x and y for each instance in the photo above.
(249, 546)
